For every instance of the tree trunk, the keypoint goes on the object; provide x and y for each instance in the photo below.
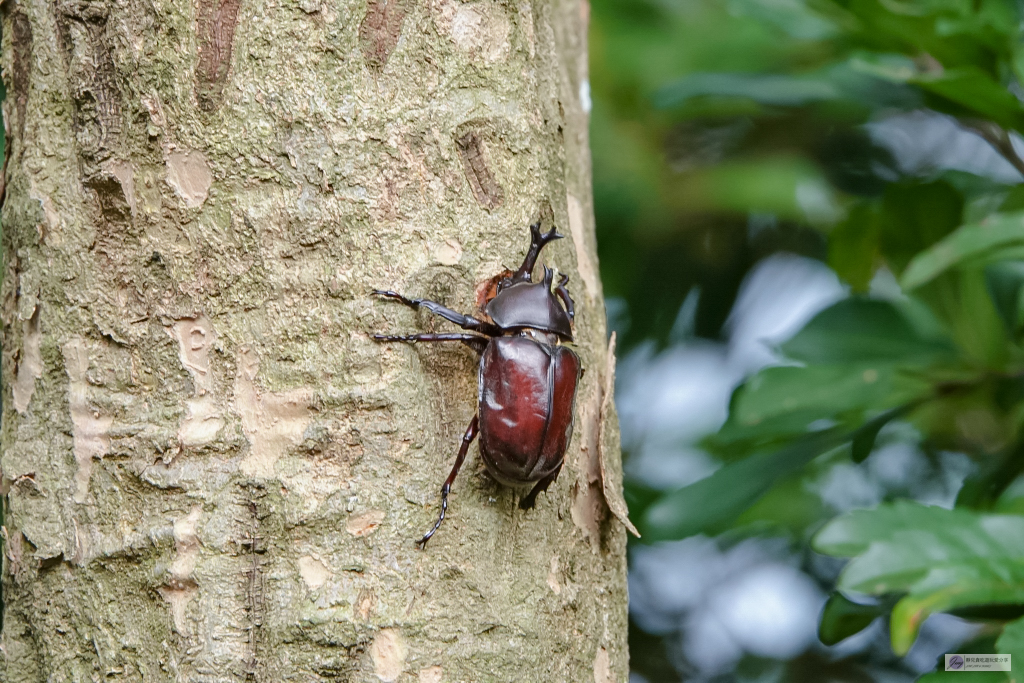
(212, 472)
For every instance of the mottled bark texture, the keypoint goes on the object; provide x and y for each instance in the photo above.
(212, 473)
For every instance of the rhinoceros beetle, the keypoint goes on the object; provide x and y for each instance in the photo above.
(527, 379)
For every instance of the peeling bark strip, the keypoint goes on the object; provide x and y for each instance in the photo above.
(204, 420)
(485, 188)
(30, 364)
(21, 31)
(181, 586)
(91, 436)
(217, 22)
(380, 30)
(272, 421)
(611, 471)
(388, 652)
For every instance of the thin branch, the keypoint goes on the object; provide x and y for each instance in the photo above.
(999, 138)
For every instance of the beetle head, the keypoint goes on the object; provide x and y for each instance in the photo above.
(530, 304)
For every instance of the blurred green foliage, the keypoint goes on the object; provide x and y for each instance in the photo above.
(711, 114)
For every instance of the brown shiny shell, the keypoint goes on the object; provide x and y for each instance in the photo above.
(526, 395)
(527, 304)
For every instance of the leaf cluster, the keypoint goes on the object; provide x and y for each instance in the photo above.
(764, 109)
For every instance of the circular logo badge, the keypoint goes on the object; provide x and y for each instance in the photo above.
(956, 662)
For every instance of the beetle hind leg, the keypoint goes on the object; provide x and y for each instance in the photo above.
(530, 500)
(467, 439)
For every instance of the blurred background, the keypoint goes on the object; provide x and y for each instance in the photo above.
(809, 227)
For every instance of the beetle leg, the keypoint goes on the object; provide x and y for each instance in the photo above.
(563, 294)
(537, 241)
(467, 439)
(473, 341)
(466, 322)
(542, 485)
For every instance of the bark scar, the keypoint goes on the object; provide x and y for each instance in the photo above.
(380, 29)
(21, 30)
(216, 29)
(253, 547)
(485, 188)
(82, 29)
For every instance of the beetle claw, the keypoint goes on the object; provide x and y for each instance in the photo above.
(422, 543)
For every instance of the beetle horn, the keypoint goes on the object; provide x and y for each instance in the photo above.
(537, 241)
(549, 276)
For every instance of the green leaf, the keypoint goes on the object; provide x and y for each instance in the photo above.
(916, 215)
(792, 16)
(983, 582)
(1014, 200)
(864, 438)
(895, 68)
(941, 558)
(816, 391)
(971, 89)
(853, 246)
(1005, 283)
(714, 501)
(788, 507)
(842, 618)
(734, 440)
(772, 89)
(858, 330)
(975, 244)
(1011, 642)
(785, 186)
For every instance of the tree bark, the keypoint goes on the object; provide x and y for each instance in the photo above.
(212, 473)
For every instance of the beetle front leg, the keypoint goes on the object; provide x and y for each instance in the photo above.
(563, 294)
(475, 342)
(467, 439)
(542, 485)
(466, 322)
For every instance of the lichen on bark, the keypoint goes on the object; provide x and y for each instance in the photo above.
(212, 473)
